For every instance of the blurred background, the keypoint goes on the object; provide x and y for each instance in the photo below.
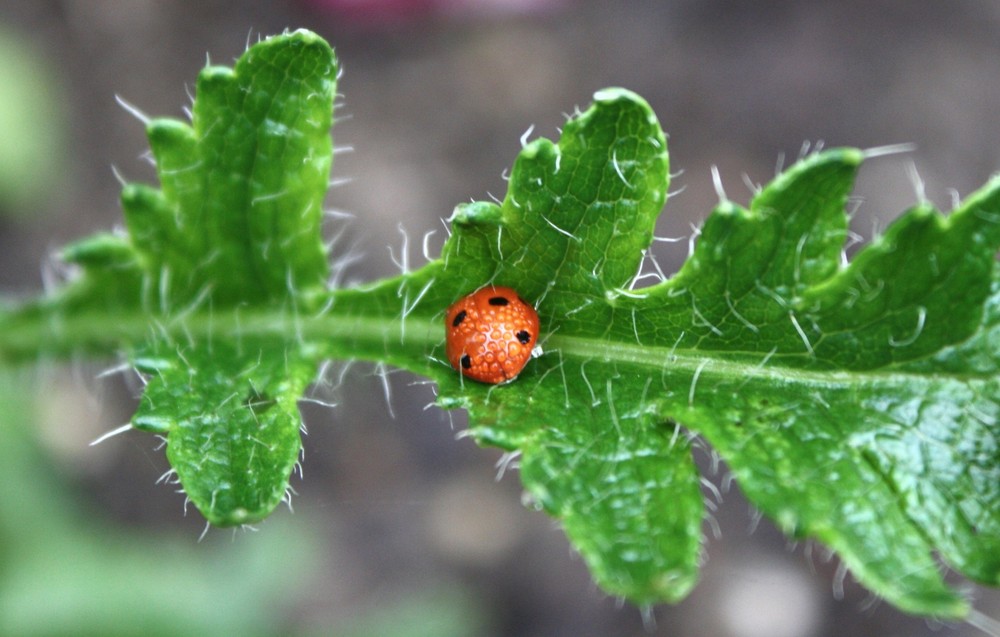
(399, 529)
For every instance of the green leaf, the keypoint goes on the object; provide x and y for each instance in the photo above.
(856, 404)
(234, 230)
(237, 222)
(569, 236)
(841, 397)
(242, 187)
(840, 427)
(231, 419)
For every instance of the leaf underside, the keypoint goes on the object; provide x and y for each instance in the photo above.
(856, 403)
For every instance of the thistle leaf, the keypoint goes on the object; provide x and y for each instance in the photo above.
(856, 403)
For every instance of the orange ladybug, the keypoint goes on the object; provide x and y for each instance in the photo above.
(491, 334)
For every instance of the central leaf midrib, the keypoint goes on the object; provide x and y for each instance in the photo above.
(425, 334)
(351, 331)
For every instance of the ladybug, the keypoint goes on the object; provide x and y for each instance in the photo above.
(491, 334)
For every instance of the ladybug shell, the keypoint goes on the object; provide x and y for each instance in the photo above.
(491, 334)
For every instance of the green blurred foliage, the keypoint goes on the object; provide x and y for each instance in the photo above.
(63, 572)
(32, 125)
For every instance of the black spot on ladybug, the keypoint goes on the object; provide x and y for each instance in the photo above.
(524, 337)
(459, 318)
(466, 361)
(499, 300)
